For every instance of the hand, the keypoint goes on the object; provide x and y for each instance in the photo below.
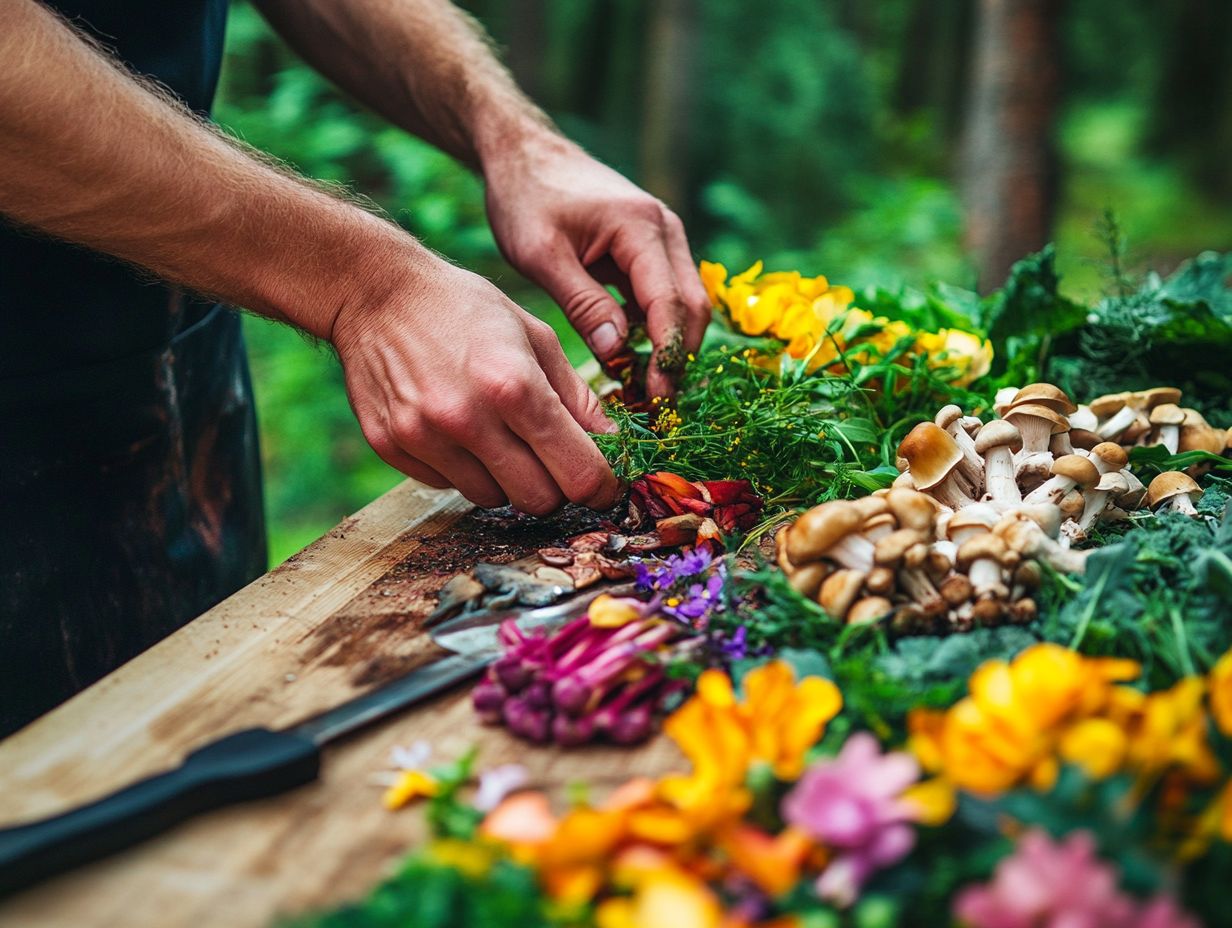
(455, 385)
(572, 225)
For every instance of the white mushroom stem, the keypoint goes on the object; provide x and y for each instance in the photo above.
(985, 576)
(1122, 419)
(852, 551)
(1030, 540)
(949, 493)
(1182, 502)
(971, 465)
(1097, 502)
(915, 583)
(1035, 433)
(1170, 437)
(1050, 491)
(999, 482)
(947, 549)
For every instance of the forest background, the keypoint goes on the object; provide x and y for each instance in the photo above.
(898, 141)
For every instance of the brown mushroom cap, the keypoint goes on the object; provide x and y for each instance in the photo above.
(1045, 394)
(1169, 484)
(1112, 454)
(870, 506)
(981, 547)
(1018, 414)
(997, 434)
(1167, 414)
(1108, 405)
(880, 521)
(891, 549)
(931, 454)
(1155, 396)
(820, 529)
(1192, 416)
(1083, 438)
(1078, 468)
(964, 519)
(1202, 438)
(869, 609)
(955, 589)
(881, 581)
(807, 580)
(839, 590)
(912, 508)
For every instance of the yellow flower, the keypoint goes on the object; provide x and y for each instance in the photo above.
(1096, 745)
(1017, 716)
(410, 785)
(469, 857)
(933, 799)
(713, 279)
(1221, 694)
(612, 612)
(786, 719)
(663, 898)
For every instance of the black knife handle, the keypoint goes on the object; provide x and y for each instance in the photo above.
(249, 764)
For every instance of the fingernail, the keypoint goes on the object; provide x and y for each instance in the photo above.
(605, 340)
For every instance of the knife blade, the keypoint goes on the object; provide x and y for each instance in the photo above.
(256, 762)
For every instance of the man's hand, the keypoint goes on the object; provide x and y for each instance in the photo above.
(448, 377)
(571, 225)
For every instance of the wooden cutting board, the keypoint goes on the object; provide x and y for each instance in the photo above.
(338, 618)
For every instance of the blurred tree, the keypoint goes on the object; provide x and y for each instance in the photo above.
(668, 100)
(1009, 165)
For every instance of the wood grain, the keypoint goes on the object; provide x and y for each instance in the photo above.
(333, 621)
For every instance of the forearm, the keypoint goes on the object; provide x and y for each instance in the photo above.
(90, 155)
(422, 64)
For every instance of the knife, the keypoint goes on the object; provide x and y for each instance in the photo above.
(256, 762)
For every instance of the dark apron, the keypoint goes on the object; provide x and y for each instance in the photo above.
(131, 502)
(130, 487)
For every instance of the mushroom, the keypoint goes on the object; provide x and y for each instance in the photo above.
(878, 526)
(1133, 497)
(1072, 504)
(1068, 471)
(880, 581)
(972, 465)
(829, 530)
(1167, 419)
(807, 580)
(1174, 490)
(912, 508)
(1003, 400)
(839, 590)
(1197, 435)
(1044, 394)
(933, 457)
(969, 522)
(996, 443)
(1083, 418)
(1113, 483)
(980, 558)
(1114, 414)
(1027, 538)
(869, 609)
(1081, 439)
(1108, 456)
(1036, 424)
(956, 590)
(891, 552)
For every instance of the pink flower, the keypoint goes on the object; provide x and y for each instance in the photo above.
(853, 805)
(1047, 884)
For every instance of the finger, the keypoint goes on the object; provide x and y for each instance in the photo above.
(413, 437)
(591, 310)
(580, 401)
(388, 451)
(607, 273)
(642, 254)
(689, 281)
(553, 433)
(523, 478)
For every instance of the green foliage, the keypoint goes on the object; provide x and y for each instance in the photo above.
(1159, 595)
(431, 893)
(1175, 331)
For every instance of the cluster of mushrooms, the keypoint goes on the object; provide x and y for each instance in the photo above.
(958, 539)
(1138, 418)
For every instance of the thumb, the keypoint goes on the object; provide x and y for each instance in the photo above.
(592, 311)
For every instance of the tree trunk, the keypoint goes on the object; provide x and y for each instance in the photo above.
(1009, 164)
(665, 134)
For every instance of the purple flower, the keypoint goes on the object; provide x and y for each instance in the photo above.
(853, 804)
(496, 783)
(675, 568)
(1060, 883)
